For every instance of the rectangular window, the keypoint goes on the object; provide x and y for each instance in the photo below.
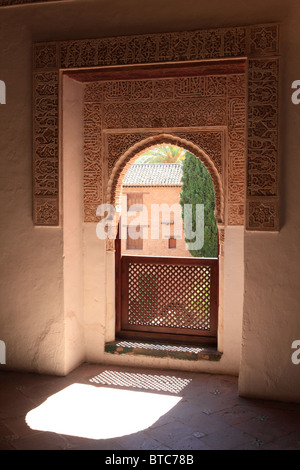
(134, 244)
(135, 199)
(172, 242)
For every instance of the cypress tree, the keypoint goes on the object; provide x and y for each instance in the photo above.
(198, 188)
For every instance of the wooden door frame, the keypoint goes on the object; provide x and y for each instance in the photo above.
(181, 337)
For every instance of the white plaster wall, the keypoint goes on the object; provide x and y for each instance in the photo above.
(233, 296)
(31, 288)
(72, 213)
(95, 284)
(272, 261)
(271, 316)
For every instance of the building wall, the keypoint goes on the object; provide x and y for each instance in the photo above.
(160, 246)
(32, 316)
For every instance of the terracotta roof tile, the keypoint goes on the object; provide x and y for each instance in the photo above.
(153, 174)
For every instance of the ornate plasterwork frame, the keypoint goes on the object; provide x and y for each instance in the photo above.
(259, 44)
(120, 119)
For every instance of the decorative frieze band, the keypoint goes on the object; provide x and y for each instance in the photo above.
(258, 43)
(45, 144)
(245, 41)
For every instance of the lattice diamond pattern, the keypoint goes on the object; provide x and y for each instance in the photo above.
(176, 296)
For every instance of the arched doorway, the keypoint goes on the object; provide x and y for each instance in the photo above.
(158, 296)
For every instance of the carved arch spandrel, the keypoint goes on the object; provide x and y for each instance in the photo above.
(114, 183)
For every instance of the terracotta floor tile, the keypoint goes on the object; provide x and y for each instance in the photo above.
(190, 442)
(15, 407)
(227, 439)
(101, 444)
(40, 441)
(287, 442)
(210, 414)
(169, 432)
(4, 431)
(236, 414)
(138, 441)
(204, 423)
(262, 428)
(5, 445)
(17, 425)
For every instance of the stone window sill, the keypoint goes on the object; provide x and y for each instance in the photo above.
(185, 352)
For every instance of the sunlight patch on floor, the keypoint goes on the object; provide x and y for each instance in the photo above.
(99, 413)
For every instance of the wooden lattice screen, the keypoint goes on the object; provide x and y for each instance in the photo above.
(169, 296)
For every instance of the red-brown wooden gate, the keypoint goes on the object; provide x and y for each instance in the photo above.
(167, 298)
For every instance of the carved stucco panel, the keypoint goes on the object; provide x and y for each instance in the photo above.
(217, 101)
(262, 158)
(46, 162)
(263, 213)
